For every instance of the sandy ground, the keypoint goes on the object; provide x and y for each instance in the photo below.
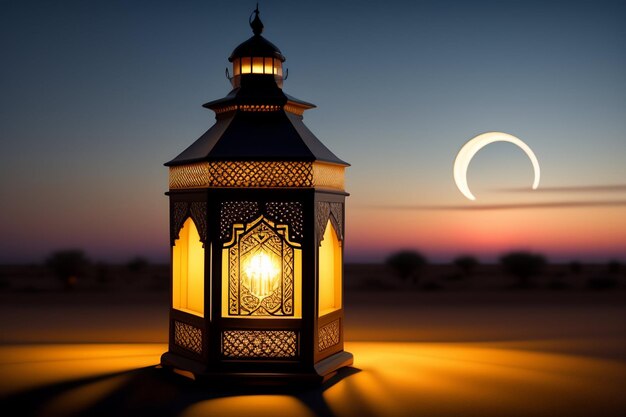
(536, 353)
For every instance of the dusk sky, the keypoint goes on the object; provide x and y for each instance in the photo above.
(96, 95)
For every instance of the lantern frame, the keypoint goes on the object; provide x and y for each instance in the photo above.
(259, 161)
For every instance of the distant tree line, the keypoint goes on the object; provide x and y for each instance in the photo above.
(408, 265)
(71, 265)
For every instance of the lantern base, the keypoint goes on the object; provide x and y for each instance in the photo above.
(322, 372)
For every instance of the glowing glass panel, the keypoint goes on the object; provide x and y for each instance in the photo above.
(278, 68)
(246, 65)
(188, 271)
(261, 272)
(257, 65)
(329, 272)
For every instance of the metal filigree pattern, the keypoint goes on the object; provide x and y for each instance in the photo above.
(287, 212)
(220, 110)
(198, 211)
(259, 107)
(329, 176)
(179, 214)
(260, 174)
(322, 211)
(336, 216)
(251, 344)
(325, 211)
(233, 281)
(295, 109)
(236, 212)
(257, 174)
(189, 176)
(188, 337)
(250, 240)
(328, 336)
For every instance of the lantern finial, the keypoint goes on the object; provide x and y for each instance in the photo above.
(256, 24)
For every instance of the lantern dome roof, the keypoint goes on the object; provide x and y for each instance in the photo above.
(257, 121)
(257, 45)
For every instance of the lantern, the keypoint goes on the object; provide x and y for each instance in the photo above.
(256, 232)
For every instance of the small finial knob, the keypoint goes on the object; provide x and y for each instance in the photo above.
(256, 24)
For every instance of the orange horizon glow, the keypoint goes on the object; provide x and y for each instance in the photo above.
(553, 232)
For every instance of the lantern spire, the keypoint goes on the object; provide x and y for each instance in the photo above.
(256, 24)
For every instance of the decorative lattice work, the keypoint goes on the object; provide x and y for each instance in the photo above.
(261, 237)
(329, 335)
(179, 214)
(287, 212)
(247, 107)
(260, 174)
(336, 217)
(198, 211)
(188, 337)
(329, 176)
(189, 176)
(225, 109)
(294, 109)
(232, 212)
(259, 107)
(257, 174)
(260, 344)
(325, 211)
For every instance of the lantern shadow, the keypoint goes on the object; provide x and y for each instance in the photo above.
(154, 391)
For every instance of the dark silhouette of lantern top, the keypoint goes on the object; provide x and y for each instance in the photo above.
(257, 230)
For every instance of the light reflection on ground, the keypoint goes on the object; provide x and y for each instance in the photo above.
(396, 379)
(30, 366)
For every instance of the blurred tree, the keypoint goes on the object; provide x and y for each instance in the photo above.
(68, 265)
(467, 264)
(523, 265)
(614, 267)
(406, 264)
(137, 264)
(575, 267)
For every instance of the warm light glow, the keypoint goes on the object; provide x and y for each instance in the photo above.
(246, 65)
(188, 271)
(257, 65)
(262, 272)
(329, 272)
(250, 405)
(394, 379)
(278, 68)
(467, 152)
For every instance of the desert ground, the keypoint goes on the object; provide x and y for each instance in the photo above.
(444, 346)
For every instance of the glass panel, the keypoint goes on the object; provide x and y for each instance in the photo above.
(268, 68)
(245, 65)
(257, 65)
(261, 272)
(236, 66)
(278, 67)
(329, 272)
(188, 271)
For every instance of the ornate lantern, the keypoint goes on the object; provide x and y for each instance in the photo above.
(257, 230)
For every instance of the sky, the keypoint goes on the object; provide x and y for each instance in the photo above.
(97, 95)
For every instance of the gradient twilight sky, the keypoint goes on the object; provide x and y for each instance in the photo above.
(96, 95)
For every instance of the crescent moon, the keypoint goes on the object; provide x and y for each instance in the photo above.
(467, 152)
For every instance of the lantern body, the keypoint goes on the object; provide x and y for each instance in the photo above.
(257, 231)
